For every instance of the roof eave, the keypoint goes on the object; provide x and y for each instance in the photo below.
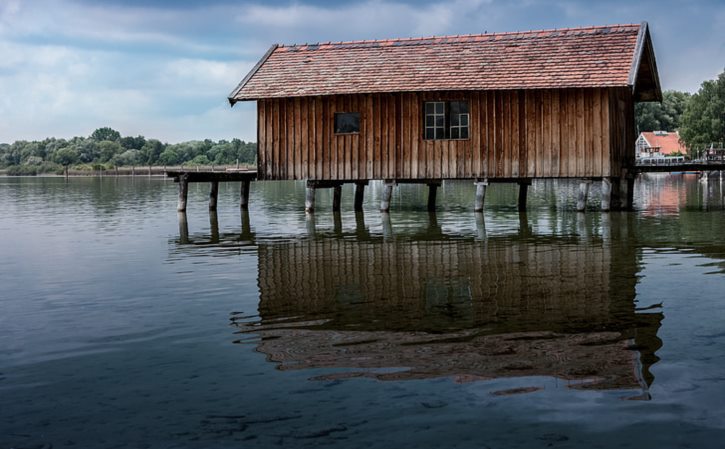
(232, 96)
(644, 44)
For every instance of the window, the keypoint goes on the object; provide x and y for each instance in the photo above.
(446, 120)
(347, 122)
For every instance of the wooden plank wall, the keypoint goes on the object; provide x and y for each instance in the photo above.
(513, 134)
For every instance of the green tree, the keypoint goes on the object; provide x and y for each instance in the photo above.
(108, 149)
(132, 143)
(703, 122)
(67, 156)
(106, 133)
(665, 116)
(151, 151)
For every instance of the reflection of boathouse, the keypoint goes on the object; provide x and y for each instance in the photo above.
(471, 310)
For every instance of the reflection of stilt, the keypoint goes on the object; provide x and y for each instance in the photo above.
(310, 224)
(246, 227)
(183, 228)
(387, 226)
(214, 226)
(433, 226)
(524, 228)
(480, 226)
(360, 231)
(337, 222)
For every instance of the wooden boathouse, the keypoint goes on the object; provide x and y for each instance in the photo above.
(501, 107)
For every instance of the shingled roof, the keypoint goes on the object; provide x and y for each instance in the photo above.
(601, 56)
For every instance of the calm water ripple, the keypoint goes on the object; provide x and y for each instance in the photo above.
(123, 324)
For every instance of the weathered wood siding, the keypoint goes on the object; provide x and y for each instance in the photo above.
(513, 134)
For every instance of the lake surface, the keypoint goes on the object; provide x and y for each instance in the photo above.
(123, 324)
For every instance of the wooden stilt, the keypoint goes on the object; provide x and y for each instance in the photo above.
(310, 198)
(213, 194)
(627, 192)
(480, 226)
(337, 222)
(183, 228)
(581, 202)
(336, 198)
(360, 230)
(616, 203)
(183, 193)
(310, 224)
(387, 226)
(387, 195)
(214, 225)
(246, 227)
(523, 193)
(359, 196)
(606, 194)
(480, 195)
(244, 203)
(432, 193)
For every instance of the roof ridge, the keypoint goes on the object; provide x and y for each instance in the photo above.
(460, 36)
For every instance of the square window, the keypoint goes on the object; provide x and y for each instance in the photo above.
(347, 122)
(446, 120)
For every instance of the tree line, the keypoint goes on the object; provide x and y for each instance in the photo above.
(699, 118)
(106, 148)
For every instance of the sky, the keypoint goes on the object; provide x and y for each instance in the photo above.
(163, 69)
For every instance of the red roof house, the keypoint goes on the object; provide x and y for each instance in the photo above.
(660, 142)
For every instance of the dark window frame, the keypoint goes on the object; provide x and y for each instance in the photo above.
(452, 124)
(346, 133)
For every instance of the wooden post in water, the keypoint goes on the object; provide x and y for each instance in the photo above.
(581, 202)
(183, 228)
(627, 192)
(606, 194)
(480, 225)
(359, 196)
(336, 198)
(387, 195)
(523, 193)
(244, 203)
(480, 195)
(310, 198)
(213, 194)
(337, 222)
(183, 193)
(214, 226)
(432, 193)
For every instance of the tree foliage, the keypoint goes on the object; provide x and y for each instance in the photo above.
(107, 147)
(703, 121)
(665, 116)
(106, 133)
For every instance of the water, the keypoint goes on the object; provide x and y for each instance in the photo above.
(125, 325)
